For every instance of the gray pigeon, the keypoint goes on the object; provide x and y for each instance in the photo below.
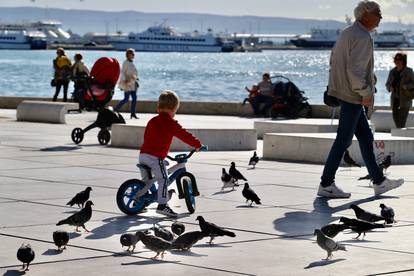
(254, 160)
(187, 240)
(387, 213)
(129, 240)
(327, 244)
(228, 180)
(211, 230)
(61, 239)
(365, 215)
(162, 233)
(249, 194)
(80, 198)
(385, 163)
(177, 228)
(156, 244)
(235, 173)
(79, 218)
(26, 255)
(331, 230)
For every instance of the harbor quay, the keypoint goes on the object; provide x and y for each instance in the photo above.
(41, 169)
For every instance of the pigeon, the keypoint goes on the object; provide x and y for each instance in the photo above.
(153, 243)
(254, 160)
(249, 194)
(80, 198)
(228, 180)
(360, 226)
(235, 173)
(349, 161)
(327, 244)
(365, 215)
(331, 230)
(212, 230)
(177, 228)
(129, 240)
(385, 163)
(162, 233)
(61, 239)
(26, 255)
(387, 213)
(79, 218)
(187, 240)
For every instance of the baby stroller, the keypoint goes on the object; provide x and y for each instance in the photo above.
(93, 93)
(289, 101)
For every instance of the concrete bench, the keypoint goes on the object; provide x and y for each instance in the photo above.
(223, 139)
(314, 147)
(403, 132)
(382, 119)
(45, 112)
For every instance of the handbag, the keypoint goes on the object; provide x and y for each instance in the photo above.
(53, 83)
(330, 100)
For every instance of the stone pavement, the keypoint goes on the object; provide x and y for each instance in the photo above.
(41, 169)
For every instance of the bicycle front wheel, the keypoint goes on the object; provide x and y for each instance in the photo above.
(186, 180)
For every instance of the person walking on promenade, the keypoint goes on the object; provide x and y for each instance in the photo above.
(129, 82)
(351, 80)
(400, 83)
(62, 66)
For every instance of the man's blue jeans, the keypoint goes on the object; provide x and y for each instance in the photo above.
(352, 120)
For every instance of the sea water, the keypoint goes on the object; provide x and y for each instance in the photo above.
(218, 77)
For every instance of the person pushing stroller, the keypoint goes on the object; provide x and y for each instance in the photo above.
(158, 136)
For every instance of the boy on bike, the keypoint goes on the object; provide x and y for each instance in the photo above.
(158, 136)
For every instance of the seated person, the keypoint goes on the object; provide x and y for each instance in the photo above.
(253, 92)
(265, 97)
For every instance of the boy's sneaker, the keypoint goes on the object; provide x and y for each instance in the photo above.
(387, 185)
(166, 210)
(332, 191)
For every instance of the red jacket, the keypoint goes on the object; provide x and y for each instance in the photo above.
(159, 133)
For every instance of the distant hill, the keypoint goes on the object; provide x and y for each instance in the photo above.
(82, 21)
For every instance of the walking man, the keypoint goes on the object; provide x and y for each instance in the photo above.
(352, 81)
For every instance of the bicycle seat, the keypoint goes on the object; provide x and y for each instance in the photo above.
(146, 169)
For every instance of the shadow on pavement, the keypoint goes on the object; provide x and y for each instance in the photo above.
(13, 272)
(60, 148)
(323, 263)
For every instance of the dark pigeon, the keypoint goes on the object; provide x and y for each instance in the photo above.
(365, 215)
(61, 239)
(349, 161)
(79, 218)
(187, 240)
(80, 198)
(360, 226)
(327, 244)
(331, 230)
(228, 180)
(254, 160)
(385, 163)
(249, 194)
(387, 213)
(129, 240)
(235, 173)
(212, 230)
(26, 255)
(177, 228)
(162, 233)
(153, 243)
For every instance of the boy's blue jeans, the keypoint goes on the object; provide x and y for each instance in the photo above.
(352, 120)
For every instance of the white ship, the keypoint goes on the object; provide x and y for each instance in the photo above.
(163, 38)
(13, 36)
(326, 38)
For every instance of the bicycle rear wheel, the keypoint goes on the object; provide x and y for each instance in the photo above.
(126, 194)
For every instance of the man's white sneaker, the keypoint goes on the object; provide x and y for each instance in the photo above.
(387, 185)
(332, 191)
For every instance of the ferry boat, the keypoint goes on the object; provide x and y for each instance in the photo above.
(326, 38)
(162, 38)
(17, 37)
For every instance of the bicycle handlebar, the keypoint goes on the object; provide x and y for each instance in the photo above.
(202, 148)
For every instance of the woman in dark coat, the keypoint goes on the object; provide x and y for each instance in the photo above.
(400, 83)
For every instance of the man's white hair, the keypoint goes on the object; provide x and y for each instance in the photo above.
(365, 7)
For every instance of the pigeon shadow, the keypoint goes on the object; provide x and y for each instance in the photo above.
(187, 253)
(52, 252)
(359, 241)
(14, 272)
(224, 192)
(305, 222)
(60, 148)
(207, 245)
(74, 235)
(323, 263)
(118, 225)
(246, 206)
(151, 262)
